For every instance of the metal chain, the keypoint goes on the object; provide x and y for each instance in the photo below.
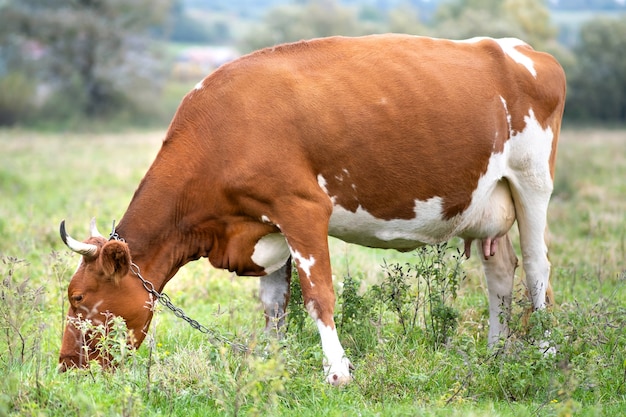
(166, 301)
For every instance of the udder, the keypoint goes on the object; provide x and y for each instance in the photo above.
(492, 221)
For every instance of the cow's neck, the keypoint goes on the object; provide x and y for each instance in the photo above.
(152, 233)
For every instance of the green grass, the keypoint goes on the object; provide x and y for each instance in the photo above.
(45, 178)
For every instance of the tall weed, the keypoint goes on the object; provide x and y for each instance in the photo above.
(20, 304)
(420, 294)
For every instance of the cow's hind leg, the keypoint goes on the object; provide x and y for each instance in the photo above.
(274, 293)
(531, 186)
(531, 219)
(531, 207)
(500, 273)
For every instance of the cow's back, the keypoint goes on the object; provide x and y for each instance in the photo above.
(383, 121)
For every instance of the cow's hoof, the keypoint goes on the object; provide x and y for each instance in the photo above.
(339, 374)
(339, 381)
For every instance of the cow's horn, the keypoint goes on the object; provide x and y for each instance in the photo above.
(78, 247)
(93, 228)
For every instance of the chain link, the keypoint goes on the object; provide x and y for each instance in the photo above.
(166, 301)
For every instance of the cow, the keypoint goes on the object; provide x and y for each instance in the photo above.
(387, 141)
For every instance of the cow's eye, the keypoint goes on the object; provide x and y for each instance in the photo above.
(77, 298)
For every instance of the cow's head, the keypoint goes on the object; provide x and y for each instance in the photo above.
(102, 286)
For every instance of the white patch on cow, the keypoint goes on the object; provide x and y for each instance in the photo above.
(342, 176)
(496, 215)
(199, 85)
(524, 159)
(509, 45)
(336, 364)
(363, 228)
(304, 263)
(271, 252)
(265, 219)
(530, 151)
(322, 183)
(491, 211)
(508, 115)
(472, 40)
(310, 308)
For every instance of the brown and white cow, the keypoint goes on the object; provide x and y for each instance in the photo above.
(388, 141)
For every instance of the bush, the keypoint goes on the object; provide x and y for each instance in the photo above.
(597, 83)
(16, 99)
(418, 296)
(428, 285)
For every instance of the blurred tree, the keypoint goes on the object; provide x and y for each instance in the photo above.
(182, 28)
(310, 19)
(588, 5)
(533, 19)
(454, 10)
(95, 56)
(16, 98)
(525, 19)
(475, 22)
(597, 83)
(405, 19)
(186, 27)
(306, 19)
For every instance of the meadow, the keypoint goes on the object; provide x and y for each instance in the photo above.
(414, 324)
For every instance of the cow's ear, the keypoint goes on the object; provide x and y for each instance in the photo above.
(115, 260)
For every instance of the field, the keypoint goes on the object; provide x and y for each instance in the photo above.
(415, 354)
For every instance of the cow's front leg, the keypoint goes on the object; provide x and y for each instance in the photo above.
(303, 219)
(310, 254)
(319, 298)
(320, 306)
